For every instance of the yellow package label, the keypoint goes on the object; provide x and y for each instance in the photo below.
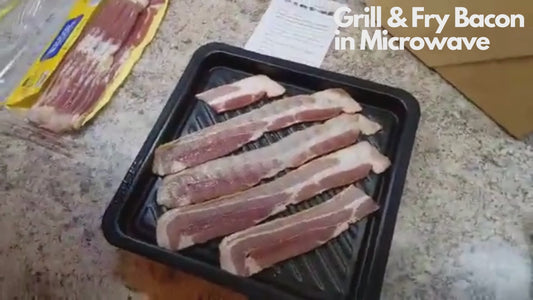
(26, 93)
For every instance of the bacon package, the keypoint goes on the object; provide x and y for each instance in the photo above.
(95, 66)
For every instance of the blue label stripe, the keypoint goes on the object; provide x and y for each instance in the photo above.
(61, 38)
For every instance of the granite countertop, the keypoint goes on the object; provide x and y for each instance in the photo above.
(464, 228)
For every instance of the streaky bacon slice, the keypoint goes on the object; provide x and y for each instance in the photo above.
(185, 226)
(223, 138)
(235, 173)
(241, 93)
(249, 251)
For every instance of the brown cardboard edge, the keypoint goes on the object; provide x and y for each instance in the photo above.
(518, 134)
(513, 114)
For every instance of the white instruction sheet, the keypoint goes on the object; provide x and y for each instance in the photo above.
(296, 30)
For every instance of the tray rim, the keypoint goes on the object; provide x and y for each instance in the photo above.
(380, 252)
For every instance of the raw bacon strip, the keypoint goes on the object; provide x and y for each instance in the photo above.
(241, 93)
(249, 251)
(185, 226)
(231, 174)
(223, 138)
(92, 63)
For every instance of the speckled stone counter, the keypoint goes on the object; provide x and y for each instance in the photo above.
(464, 226)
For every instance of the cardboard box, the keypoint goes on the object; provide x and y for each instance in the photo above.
(498, 80)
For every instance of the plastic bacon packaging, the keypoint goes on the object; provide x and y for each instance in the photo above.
(86, 62)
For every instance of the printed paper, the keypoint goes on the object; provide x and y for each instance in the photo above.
(299, 31)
